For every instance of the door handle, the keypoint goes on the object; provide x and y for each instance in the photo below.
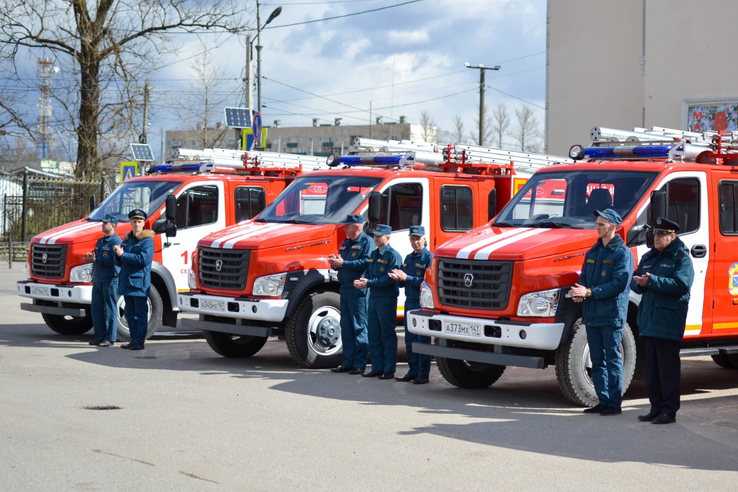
(698, 250)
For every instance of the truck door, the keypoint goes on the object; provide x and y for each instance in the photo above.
(200, 211)
(725, 260)
(686, 195)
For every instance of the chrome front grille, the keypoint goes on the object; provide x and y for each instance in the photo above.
(474, 284)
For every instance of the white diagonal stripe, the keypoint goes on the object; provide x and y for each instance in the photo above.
(464, 253)
(72, 230)
(257, 232)
(483, 254)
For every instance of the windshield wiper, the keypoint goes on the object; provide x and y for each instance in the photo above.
(550, 224)
(503, 224)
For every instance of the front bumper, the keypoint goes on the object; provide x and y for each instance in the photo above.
(270, 310)
(506, 333)
(65, 300)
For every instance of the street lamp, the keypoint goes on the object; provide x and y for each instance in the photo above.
(249, 85)
(481, 69)
(271, 17)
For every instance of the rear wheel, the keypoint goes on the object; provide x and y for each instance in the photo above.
(574, 365)
(313, 332)
(156, 311)
(726, 361)
(68, 325)
(465, 374)
(229, 345)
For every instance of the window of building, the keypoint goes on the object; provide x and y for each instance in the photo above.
(249, 202)
(457, 208)
(197, 206)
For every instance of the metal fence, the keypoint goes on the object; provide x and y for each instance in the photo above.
(34, 202)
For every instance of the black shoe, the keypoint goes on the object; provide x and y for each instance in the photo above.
(372, 374)
(649, 416)
(607, 411)
(125, 346)
(341, 369)
(421, 381)
(387, 375)
(664, 419)
(104, 343)
(356, 371)
(136, 346)
(595, 409)
(94, 343)
(406, 378)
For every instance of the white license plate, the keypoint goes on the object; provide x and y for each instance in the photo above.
(469, 329)
(212, 305)
(40, 291)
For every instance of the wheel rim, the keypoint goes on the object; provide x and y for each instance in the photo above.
(587, 365)
(324, 331)
(121, 311)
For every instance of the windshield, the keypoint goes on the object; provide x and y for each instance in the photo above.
(146, 195)
(319, 200)
(568, 198)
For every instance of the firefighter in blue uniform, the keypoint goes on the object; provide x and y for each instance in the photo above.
(351, 261)
(663, 278)
(105, 284)
(411, 275)
(135, 255)
(383, 292)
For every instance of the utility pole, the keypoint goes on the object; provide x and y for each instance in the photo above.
(142, 137)
(259, 27)
(481, 69)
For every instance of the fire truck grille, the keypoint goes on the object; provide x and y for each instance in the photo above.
(223, 268)
(474, 284)
(48, 260)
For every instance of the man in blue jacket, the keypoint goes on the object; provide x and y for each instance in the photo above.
(351, 261)
(105, 284)
(663, 278)
(383, 292)
(411, 276)
(603, 287)
(135, 255)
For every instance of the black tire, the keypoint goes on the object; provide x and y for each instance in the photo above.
(313, 332)
(723, 360)
(156, 311)
(68, 325)
(235, 346)
(464, 374)
(574, 367)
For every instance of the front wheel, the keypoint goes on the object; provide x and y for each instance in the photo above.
(155, 313)
(574, 365)
(313, 332)
(464, 374)
(68, 325)
(229, 345)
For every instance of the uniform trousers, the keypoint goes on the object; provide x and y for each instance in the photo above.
(382, 335)
(663, 374)
(137, 314)
(103, 309)
(419, 364)
(353, 331)
(607, 363)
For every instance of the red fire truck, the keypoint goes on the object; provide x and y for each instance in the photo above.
(496, 296)
(271, 275)
(201, 192)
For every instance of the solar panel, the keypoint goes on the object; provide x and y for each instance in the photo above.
(238, 117)
(142, 152)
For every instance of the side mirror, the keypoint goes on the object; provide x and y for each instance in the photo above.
(93, 204)
(492, 204)
(171, 208)
(375, 206)
(658, 205)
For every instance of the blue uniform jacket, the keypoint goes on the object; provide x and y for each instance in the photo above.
(607, 270)
(106, 268)
(377, 274)
(355, 256)
(414, 266)
(663, 309)
(135, 271)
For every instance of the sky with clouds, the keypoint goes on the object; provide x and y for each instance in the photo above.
(403, 58)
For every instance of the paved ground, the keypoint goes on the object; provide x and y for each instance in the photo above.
(178, 417)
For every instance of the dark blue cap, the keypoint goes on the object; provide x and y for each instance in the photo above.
(110, 218)
(662, 225)
(137, 213)
(610, 215)
(381, 229)
(417, 231)
(353, 219)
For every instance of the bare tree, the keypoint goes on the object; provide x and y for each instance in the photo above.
(500, 124)
(106, 46)
(527, 135)
(458, 134)
(430, 132)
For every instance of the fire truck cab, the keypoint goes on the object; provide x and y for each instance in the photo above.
(270, 276)
(201, 192)
(496, 296)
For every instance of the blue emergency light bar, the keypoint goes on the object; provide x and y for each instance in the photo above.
(377, 160)
(629, 151)
(179, 168)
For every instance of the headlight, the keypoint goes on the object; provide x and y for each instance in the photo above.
(28, 271)
(191, 279)
(271, 285)
(426, 296)
(82, 273)
(543, 303)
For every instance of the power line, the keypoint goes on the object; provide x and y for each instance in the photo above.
(342, 16)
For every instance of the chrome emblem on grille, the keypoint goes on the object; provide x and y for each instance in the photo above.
(468, 279)
(218, 265)
(44, 257)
